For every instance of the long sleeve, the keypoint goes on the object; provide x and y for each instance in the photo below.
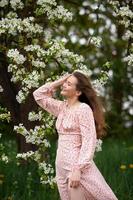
(44, 98)
(88, 134)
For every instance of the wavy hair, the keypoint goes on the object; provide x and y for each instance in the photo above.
(89, 96)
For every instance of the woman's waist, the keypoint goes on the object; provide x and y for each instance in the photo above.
(70, 136)
(70, 140)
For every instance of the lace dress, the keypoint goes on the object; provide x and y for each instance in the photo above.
(76, 146)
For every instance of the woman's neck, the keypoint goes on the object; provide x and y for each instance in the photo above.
(72, 103)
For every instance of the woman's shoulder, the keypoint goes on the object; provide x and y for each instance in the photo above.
(84, 107)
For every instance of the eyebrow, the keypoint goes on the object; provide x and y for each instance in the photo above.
(69, 82)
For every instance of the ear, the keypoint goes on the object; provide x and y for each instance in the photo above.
(79, 93)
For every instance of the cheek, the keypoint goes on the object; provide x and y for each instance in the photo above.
(71, 90)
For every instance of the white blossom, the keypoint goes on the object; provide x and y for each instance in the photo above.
(1, 89)
(129, 59)
(43, 3)
(95, 40)
(99, 145)
(47, 168)
(83, 69)
(4, 158)
(16, 4)
(4, 3)
(32, 116)
(128, 34)
(20, 97)
(58, 12)
(16, 25)
(98, 86)
(38, 64)
(16, 56)
(25, 155)
(47, 34)
(31, 80)
(5, 116)
(11, 15)
(125, 11)
(34, 136)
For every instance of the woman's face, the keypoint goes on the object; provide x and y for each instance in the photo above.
(69, 87)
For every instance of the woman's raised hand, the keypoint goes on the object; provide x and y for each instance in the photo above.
(58, 83)
(64, 77)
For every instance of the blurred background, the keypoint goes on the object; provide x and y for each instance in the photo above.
(51, 38)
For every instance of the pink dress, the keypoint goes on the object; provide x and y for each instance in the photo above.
(76, 146)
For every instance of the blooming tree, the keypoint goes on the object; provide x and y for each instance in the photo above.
(31, 55)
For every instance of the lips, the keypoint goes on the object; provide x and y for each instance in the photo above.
(63, 89)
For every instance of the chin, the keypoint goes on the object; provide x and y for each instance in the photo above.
(63, 93)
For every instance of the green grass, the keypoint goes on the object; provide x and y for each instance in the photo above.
(22, 182)
(117, 152)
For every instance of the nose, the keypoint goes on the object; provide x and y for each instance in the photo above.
(63, 86)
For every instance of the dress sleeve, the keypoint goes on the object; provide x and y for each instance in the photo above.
(44, 98)
(89, 137)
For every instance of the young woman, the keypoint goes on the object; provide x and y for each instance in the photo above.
(80, 122)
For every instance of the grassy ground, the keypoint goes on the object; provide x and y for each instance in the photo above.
(115, 162)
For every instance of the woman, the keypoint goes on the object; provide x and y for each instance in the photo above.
(80, 122)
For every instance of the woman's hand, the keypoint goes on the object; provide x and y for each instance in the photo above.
(60, 81)
(75, 178)
(63, 78)
(57, 83)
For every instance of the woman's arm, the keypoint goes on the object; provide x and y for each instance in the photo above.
(88, 133)
(43, 96)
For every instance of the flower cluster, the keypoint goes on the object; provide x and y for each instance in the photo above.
(4, 3)
(43, 3)
(3, 156)
(16, 56)
(38, 64)
(98, 86)
(16, 25)
(46, 169)
(129, 59)
(1, 89)
(50, 180)
(56, 51)
(17, 73)
(16, 4)
(34, 136)
(95, 40)
(5, 116)
(53, 10)
(31, 80)
(26, 155)
(98, 145)
(32, 116)
(21, 96)
(28, 81)
(83, 69)
(128, 34)
(30, 155)
(125, 13)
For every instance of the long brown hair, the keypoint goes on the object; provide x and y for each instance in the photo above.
(89, 96)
